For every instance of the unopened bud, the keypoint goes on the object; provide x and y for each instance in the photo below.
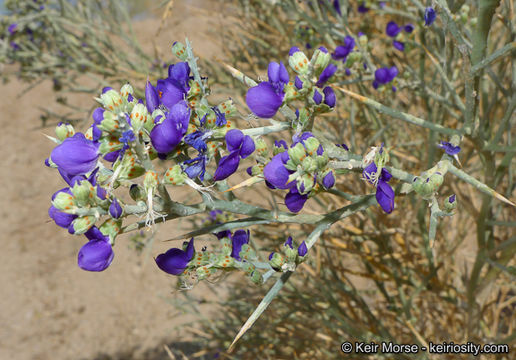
(64, 131)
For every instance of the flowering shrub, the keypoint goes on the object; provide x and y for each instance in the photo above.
(201, 146)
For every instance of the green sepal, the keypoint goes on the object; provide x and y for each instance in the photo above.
(82, 224)
(64, 201)
(298, 62)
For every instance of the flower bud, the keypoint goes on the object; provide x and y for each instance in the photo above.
(261, 147)
(305, 183)
(115, 210)
(256, 277)
(303, 116)
(150, 180)
(64, 131)
(352, 58)
(276, 260)
(82, 224)
(140, 117)
(297, 153)
(174, 176)
(109, 122)
(228, 108)
(111, 228)
(362, 40)
(450, 203)
(126, 90)
(328, 180)
(309, 165)
(320, 60)
(179, 50)
(112, 100)
(64, 201)
(311, 145)
(302, 250)
(298, 61)
(83, 192)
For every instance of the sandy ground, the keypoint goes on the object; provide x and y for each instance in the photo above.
(49, 308)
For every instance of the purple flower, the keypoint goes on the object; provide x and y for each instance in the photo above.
(151, 97)
(329, 180)
(326, 74)
(76, 155)
(392, 29)
(167, 135)
(276, 173)
(265, 99)
(238, 239)
(449, 148)
(384, 192)
(294, 200)
(342, 51)
(384, 75)
(288, 242)
(227, 166)
(175, 260)
(61, 219)
(317, 97)
(329, 96)
(302, 250)
(430, 16)
(97, 254)
(362, 8)
(12, 28)
(197, 167)
(336, 6)
(115, 210)
(451, 199)
(240, 147)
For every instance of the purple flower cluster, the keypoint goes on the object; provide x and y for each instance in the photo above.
(393, 30)
(384, 76)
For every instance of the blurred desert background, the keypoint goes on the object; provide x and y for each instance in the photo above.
(51, 309)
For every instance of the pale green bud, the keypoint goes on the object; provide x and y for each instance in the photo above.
(261, 147)
(353, 57)
(305, 183)
(140, 117)
(179, 50)
(228, 107)
(308, 164)
(82, 224)
(112, 100)
(297, 153)
(450, 203)
(320, 60)
(150, 180)
(298, 62)
(64, 201)
(256, 277)
(83, 192)
(276, 261)
(227, 245)
(256, 170)
(362, 40)
(247, 252)
(321, 161)
(312, 144)
(111, 228)
(64, 131)
(304, 117)
(290, 253)
(174, 176)
(110, 122)
(126, 90)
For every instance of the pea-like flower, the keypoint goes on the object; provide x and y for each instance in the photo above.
(449, 148)
(97, 254)
(175, 260)
(384, 76)
(265, 99)
(384, 193)
(239, 239)
(76, 155)
(166, 135)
